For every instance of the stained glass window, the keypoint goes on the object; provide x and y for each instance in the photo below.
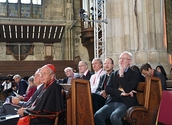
(37, 11)
(13, 10)
(3, 9)
(23, 9)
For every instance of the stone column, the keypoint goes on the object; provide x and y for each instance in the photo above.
(135, 26)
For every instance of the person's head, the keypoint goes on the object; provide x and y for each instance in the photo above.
(37, 80)
(97, 64)
(47, 73)
(69, 71)
(17, 78)
(146, 70)
(83, 67)
(161, 69)
(125, 59)
(135, 68)
(31, 81)
(108, 64)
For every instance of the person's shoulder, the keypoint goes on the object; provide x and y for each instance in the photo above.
(156, 73)
(90, 72)
(22, 80)
(133, 73)
(102, 76)
(76, 75)
(56, 84)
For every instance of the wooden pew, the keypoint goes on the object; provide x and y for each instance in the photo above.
(79, 103)
(149, 98)
(169, 84)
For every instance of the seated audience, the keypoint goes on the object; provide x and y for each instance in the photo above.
(30, 90)
(84, 72)
(99, 97)
(121, 95)
(49, 101)
(162, 70)
(136, 68)
(147, 70)
(97, 66)
(69, 75)
(10, 107)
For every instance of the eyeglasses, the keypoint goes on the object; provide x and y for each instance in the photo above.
(124, 58)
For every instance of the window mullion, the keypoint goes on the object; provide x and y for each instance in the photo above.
(19, 8)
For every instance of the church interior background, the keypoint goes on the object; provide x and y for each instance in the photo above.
(53, 30)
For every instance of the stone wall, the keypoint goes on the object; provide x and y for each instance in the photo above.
(137, 26)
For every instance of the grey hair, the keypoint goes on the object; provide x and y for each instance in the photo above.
(98, 60)
(68, 68)
(128, 53)
(31, 79)
(16, 76)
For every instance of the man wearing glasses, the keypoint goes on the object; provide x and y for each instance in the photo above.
(84, 72)
(121, 95)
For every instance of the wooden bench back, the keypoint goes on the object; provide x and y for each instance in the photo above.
(149, 97)
(141, 92)
(79, 111)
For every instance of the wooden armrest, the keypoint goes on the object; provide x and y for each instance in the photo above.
(134, 112)
(52, 116)
(44, 116)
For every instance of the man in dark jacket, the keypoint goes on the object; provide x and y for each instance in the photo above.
(21, 84)
(99, 97)
(121, 95)
(147, 70)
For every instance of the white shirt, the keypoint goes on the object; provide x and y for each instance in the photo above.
(94, 80)
(39, 86)
(7, 85)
